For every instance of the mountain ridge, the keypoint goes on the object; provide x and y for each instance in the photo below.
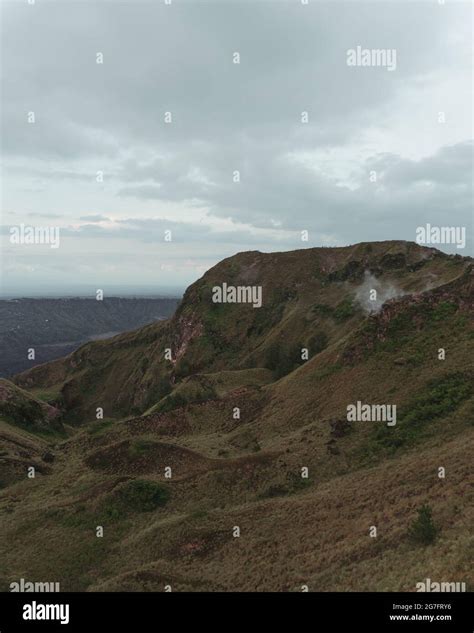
(239, 416)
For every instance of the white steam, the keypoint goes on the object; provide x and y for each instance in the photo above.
(373, 293)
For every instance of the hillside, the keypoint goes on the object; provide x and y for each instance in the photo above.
(238, 415)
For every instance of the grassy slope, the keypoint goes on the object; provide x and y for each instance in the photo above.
(304, 293)
(246, 471)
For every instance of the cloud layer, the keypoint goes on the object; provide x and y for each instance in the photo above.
(249, 154)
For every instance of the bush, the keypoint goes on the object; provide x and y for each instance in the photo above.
(142, 496)
(283, 360)
(344, 310)
(443, 310)
(423, 529)
(173, 401)
(322, 310)
(444, 395)
(183, 368)
(441, 398)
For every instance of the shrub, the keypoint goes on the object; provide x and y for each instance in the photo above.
(441, 398)
(173, 401)
(344, 310)
(322, 310)
(445, 394)
(183, 368)
(423, 529)
(443, 310)
(283, 360)
(141, 495)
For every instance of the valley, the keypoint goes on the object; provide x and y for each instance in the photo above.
(55, 327)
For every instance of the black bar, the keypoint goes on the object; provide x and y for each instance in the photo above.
(241, 612)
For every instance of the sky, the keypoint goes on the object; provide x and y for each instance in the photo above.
(161, 138)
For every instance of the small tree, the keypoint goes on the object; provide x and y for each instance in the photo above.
(283, 360)
(423, 530)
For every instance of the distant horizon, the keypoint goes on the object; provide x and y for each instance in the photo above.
(84, 291)
(117, 293)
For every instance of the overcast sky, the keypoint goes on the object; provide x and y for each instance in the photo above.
(410, 126)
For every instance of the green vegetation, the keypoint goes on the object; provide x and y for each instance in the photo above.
(22, 409)
(322, 310)
(444, 310)
(344, 310)
(246, 470)
(423, 531)
(271, 312)
(23, 412)
(183, 368)
(190, 391)
(51, 396)
(139, 447)
(97, 428)
(173, 401)
(281, 359)
(139, 495)
(442, 397)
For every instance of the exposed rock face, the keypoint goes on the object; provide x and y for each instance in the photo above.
(187, 330)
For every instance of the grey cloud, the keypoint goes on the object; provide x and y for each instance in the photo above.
(451, 165)
(94, 218)
(227, 117)
(43, 215)
(276, 191)
(179, 58)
